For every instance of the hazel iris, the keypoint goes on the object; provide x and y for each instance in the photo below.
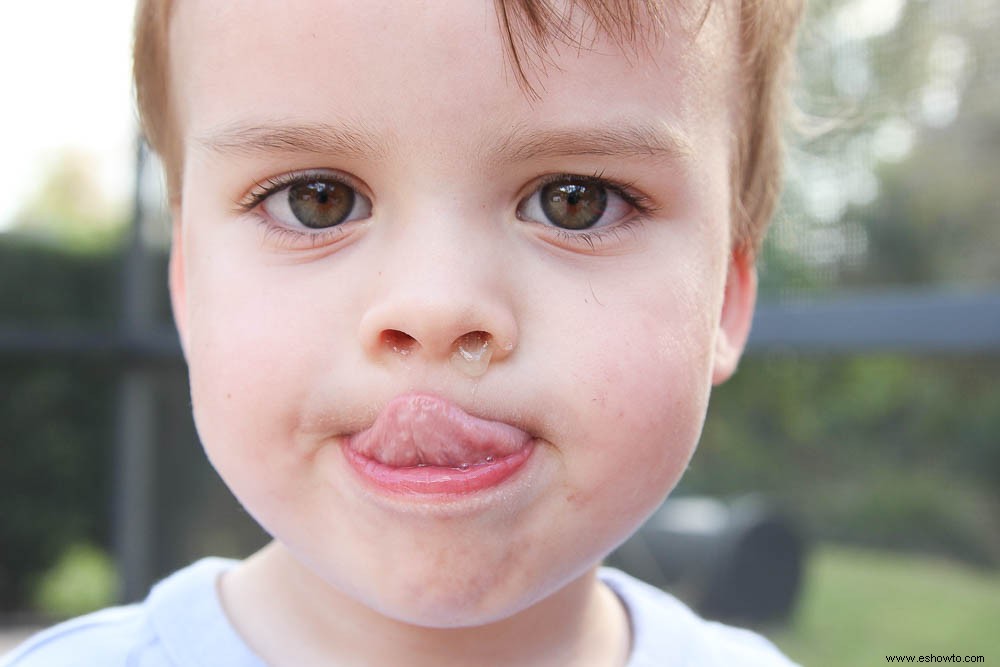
(321, 204)
(573, 205)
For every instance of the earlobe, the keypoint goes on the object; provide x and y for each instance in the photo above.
(178, 294)
(737, 315)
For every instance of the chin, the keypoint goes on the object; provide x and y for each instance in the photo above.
(449, 590)
(452, 597)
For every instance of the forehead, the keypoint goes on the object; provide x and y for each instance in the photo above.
(441, 70)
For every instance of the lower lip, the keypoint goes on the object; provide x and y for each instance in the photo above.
(435, 480)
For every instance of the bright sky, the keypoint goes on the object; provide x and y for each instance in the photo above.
(65, 82)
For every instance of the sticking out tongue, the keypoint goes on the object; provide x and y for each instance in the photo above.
(421, 430)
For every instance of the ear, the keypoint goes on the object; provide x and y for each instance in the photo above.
(737, 315)
(175, 278)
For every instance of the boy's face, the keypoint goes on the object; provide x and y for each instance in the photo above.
(605, 340)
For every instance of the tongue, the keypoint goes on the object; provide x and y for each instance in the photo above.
(416, 429)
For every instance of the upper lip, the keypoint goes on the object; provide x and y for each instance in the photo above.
(422, 429)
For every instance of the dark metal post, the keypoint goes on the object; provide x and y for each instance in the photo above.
(133, 511)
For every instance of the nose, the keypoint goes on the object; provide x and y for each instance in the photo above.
(441, 301)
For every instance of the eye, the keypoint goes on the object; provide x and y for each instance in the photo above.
(576, 203)
(316, 202)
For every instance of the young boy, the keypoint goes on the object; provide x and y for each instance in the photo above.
(453, 280)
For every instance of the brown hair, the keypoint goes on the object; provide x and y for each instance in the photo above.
(767, 30)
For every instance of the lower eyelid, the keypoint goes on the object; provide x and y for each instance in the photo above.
(284, 238)
(597, 239)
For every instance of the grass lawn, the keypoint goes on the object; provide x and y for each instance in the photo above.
(859, 606)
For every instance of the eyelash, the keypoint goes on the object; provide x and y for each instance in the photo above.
(643, 206)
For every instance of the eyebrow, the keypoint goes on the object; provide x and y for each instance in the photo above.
(620, 140)
(275, 138)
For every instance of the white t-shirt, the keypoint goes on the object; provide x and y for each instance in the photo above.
(182, 624)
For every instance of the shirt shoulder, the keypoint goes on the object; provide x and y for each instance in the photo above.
(180, 624)
(118, 636)
(665, 631)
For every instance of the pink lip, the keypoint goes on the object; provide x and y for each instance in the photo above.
(422, 444)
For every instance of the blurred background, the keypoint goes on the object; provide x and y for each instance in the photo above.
(866, 412)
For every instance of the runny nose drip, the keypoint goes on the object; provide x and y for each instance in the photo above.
(472, 353)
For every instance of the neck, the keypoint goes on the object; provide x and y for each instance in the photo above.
(288, 616)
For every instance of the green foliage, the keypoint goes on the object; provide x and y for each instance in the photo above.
(41, 285)
(918, 510)
(889, 450)
(894, 179)
(83, 579)
(56, 416)
(57, 470)
(68, 210)
(859, 606)
(935, 221)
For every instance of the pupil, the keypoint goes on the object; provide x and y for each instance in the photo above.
(574, 205)
(321, 204)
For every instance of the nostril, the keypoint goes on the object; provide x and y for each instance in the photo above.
(473, 345)
(473, 352)
(399, 342)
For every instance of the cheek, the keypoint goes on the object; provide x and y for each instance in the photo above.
(641, 402)
(254, 357)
